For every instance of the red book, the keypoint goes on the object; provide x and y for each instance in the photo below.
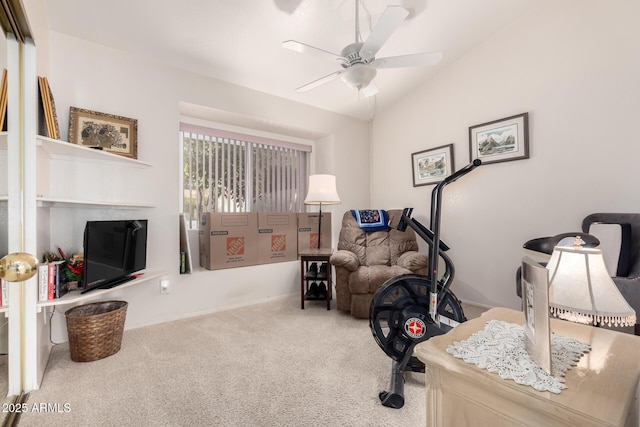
(51, 281)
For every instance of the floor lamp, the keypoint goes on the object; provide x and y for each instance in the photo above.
(322, 190)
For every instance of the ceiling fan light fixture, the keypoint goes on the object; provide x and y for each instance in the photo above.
(358, 76)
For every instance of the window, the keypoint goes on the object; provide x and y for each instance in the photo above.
(230, 172)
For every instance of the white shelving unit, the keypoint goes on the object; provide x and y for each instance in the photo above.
(64, 180)
(55, 158)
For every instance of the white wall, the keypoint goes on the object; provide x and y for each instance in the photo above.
(574, 66)
(93, 77)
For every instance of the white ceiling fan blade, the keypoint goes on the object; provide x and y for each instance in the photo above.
(320, 81)
(390, 20)
(370, 90)
(305, 48)
(414, 60)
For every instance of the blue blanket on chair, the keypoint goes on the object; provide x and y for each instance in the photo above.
(371, 219)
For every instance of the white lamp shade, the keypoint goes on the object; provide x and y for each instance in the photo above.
(322, 190)
(581, 290)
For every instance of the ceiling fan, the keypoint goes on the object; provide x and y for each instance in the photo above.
(358, 61)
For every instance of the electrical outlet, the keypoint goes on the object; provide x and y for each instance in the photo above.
(164, 286)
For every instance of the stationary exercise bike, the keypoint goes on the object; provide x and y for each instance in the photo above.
(411, 308)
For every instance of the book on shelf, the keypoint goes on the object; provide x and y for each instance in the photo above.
(51, 278)
(60, 286)
(51, 281)
(43, 282)
(183, 263)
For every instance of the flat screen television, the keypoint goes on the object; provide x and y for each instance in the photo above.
(113, 251)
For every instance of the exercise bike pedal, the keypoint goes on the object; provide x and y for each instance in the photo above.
(391, 400)
(415, 366)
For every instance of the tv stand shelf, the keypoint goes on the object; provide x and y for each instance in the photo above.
(75, 297)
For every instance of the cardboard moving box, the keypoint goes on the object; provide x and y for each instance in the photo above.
(228, 240)
(277, 237)
(308, 231)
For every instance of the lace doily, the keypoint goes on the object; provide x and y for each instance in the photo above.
(500, 348)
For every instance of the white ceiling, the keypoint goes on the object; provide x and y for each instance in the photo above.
(239, 41)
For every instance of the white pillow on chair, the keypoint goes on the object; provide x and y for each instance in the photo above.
(615, 240)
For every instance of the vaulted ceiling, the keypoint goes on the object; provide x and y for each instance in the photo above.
(240, 41)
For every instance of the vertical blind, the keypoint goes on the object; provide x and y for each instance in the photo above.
(229, 172)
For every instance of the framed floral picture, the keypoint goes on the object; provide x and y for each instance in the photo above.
(108, 132)
(433, 165)
(501, 140)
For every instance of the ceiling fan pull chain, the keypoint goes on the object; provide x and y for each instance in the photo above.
(357, 38)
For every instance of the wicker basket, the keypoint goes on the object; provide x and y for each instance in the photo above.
(95, 329)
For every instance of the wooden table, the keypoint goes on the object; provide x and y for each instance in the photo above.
(321, 255)
(602, 390)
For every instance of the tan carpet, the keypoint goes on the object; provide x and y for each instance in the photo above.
(270, 364)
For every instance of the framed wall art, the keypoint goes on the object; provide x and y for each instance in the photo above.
(501, 140)
(535, 304)
(108, 132)
(433, 165)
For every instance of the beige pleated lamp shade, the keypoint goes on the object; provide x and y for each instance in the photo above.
(581, 290)
(322, 190)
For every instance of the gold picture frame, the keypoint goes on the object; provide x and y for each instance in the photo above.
(47, 111)
(108, 132)
(3, 101)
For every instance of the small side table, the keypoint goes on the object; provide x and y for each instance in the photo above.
(306, 258)
(602, 390)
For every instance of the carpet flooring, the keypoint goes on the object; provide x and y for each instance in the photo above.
(269, 364)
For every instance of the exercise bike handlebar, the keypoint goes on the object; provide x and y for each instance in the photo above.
(459, 173)
(436, 203)
(436, 194)
(432, 235)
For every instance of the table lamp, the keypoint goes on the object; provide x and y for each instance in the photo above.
(322, 190)
(581, 290)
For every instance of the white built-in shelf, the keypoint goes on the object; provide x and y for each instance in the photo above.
(57, 149)
(71, 203)
(4, 309)
(75, 297)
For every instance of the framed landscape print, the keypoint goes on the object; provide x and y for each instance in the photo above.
(108, 132)
(501, 140)
(433, 165)
(535, 303)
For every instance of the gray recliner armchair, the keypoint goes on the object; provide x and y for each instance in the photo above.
(366, 259)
